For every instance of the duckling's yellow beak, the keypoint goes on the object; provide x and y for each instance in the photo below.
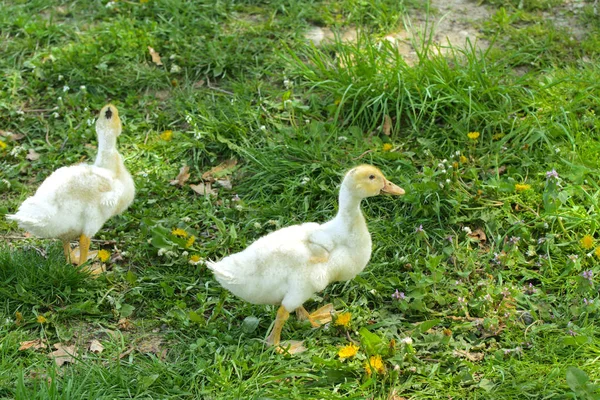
(391, 188)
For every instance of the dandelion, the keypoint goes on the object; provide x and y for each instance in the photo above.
(398, 295)
(473, 135)
(597, 251)
(343, 319)
(166, 135)
(195, 259)
(190, 241)
(375, 363)
(521, 187)
(587, 242)
(179, 233)
(552, 174)
(463, 159)
(348, 351)
(3, 145)
(103, 255)
(387, 147)
(41, 319)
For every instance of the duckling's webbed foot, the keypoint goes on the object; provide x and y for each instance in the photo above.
(317, 318)
(275, 337)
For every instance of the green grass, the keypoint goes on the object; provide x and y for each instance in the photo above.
(504, 317)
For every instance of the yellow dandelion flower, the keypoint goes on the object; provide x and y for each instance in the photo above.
(348, 351)
(103, 255)
(587, 242)
(473, 135)
(41, 319)
(375, 363)
(179, 233)
(2, 145)
(521, 187)
(463, 159)
(195, 259)
(387, 147)
(19, 318)
(190, 241)
(498, 136)
(343, 319)
(455, 165)
(166, 135)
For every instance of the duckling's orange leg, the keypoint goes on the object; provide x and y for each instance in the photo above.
(67, 250)
(275, 336)
(84, 247)
(317, 318)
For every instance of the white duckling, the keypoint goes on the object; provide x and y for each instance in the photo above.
(288, 266)
(74, 202)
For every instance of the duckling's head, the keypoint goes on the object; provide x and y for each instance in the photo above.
(367, 180)
(108, 122)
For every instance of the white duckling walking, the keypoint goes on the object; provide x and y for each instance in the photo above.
(288, 266)
(74, 202)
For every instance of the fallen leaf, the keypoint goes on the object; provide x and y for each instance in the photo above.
(63, 354)
(155, 56)
(387, 125)
(182, 177)
(35, 344)
(127, 352)
(125, 325)
(225, 183)
(478, 235)
(32, 155)
(13, 137)
(150, 345)
(203, 189)
(221, 170)
(96, 347)
(468, 355)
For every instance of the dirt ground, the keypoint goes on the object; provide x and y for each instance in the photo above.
(453, 23)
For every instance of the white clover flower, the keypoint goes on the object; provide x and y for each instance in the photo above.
(304, 180)
(175, 69)
(185, 254)
(82, 87)
(55, 114)
(161, 252)
(66, 88)
(467, 230)
(447, 180)
(186, 219)
(342, 138)
(263, 128)
(60, 77)
(257, 225)
(406, 340)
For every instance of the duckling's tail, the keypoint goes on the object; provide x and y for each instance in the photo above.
(220, 271)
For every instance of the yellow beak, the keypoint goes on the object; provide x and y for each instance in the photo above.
(391, 188)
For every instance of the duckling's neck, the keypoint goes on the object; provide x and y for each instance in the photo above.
(349, 213)
(108, 156)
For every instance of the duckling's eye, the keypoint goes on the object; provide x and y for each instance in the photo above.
(371, 177)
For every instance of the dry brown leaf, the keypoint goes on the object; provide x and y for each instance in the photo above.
(478, 235)
(387, 125)
(223, 169)
(35, 344)
(32, 155)
(225, 183)
(127, 352)
(182, 177)
(13, 137)
(393, 395)
(150, 345)
(155, 56)
(125, 325)
(96, 347)
(469, 355)
(204, 189)
(63, 354)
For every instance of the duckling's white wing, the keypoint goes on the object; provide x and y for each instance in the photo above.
(275, 254)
